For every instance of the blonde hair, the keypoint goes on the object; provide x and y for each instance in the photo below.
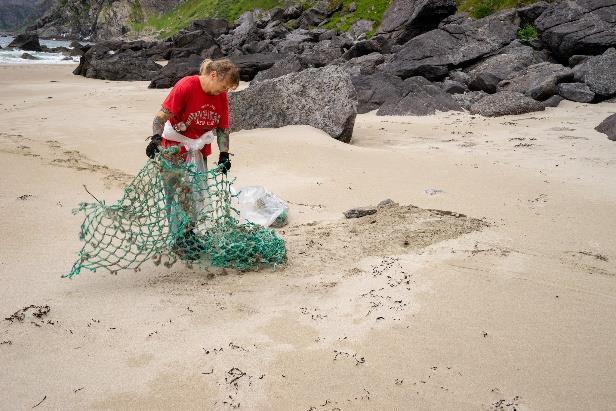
(224, 68)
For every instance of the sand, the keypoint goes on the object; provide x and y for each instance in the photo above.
(502, 300)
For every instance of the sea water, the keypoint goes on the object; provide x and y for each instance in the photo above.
(13, 56)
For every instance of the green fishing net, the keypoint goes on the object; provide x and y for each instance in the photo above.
(172, 211)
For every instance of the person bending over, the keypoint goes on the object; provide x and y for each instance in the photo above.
(196, 105)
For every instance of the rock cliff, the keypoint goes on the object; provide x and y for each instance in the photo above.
(96, 19)
(15, 14)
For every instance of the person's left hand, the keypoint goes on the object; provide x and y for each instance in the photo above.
(225, 161)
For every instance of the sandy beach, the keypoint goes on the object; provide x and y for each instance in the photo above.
(489, 285)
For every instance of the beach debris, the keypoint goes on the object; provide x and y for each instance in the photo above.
(354, 356)
(433, 191)
(233, 375)
(40, 402)
(171, 211)
(359, 212)
(25, 197)
(37, 311)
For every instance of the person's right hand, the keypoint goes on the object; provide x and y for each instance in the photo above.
(152, 147)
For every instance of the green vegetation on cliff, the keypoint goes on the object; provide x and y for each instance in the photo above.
(482, 8)
(179, 18)
(170, 23)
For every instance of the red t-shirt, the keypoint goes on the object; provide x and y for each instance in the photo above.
(200, 112)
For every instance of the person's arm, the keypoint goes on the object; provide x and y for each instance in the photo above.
(222, 138)
(157, 131)
(159, 121)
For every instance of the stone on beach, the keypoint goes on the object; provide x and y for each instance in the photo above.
(422, 98)
(506, 103)
(539, 81)
(27, 42)
(323, 98)
(576, 92)
(359, 212)
(599, 73)
(608, 127)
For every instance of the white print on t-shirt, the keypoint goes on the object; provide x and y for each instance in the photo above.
(206, 116)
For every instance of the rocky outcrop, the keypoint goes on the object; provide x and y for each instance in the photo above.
(432, 54)
(578, 27)
(323, 98)
(539, 81)
(250, 64)
(376, 89)
(608, 127)
(287, 65)
(449, 62)
(488, 73)
(466, 100)
(175, 70)
(98, 19)
(599, 73)
(405, 19)
(506, 103)
(118, 61)
(576, 92)
(26, 41)
(15, 14)
(420, 98)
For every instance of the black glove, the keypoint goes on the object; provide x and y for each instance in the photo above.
(225, 161)
(152, 147)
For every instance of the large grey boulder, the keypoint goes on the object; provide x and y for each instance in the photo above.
(245, 32)
(578, 27)
(317, 14)
(488, 73)
(359, 29)
(117, 61)
(529, 14)
(506, 103)
(599, 73)
(553, 101)
(539, 81)
(376, 89)
(608, 127)
(578, 92)
(377, 44)
(365, 64)
(296, 41)
(322, 53)
(324, 98)
(453, 87)
(405, 19)
(26, 41)
(460, 42)
(466, 100)
(249, 65)
(421, 98)
(287, 65)
(175, 70)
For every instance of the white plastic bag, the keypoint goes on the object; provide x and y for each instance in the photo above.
(259, 206)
